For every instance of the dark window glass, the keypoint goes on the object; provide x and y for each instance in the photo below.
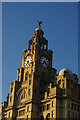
(9, 114)
(11, 99)
(75, 107)
(43, 107)
(73, 116)
(53, 114)
(68, 114)
(12, 89)
(63, 85)
(28, 109)
(68, 104)
(72, 105)
(52, 103)
(29, 91)
(29, 82)
(26, 76)
(76, 116)
(48, 106)
(27, 117)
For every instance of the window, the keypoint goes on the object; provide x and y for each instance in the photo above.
(43, 107)
(29, 91)
(29, 82)
(28, 109)
(11, 99)
(68, 114)
(78, 107)
(76, 116)
(75, 107)
(63, 85)
(9, 114)
(52, 103)
(27, 117)
(72, 105)
(19, 78)
(11, 89)
(68, 104)
(67, 90)
(48, 106)
(59, 82)
(53, 114)
(26, 76)
(73, 116)
(44, 46)
(21, 112)
(23, 96)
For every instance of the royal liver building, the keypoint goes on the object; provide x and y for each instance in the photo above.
(38, 91)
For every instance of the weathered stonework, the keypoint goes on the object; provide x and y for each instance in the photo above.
(38, 91)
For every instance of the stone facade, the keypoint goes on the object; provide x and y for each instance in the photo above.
(38, 91)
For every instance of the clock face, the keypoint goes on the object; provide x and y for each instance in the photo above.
(44, 62)
(27, 61)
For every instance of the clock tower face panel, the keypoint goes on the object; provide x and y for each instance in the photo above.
(44, 62)
(27, 61)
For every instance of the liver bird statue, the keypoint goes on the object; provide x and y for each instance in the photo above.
(39, 24)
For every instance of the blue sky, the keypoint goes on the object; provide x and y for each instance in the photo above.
(60, 26)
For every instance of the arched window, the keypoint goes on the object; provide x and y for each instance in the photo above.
(48, 116)
(23, 96)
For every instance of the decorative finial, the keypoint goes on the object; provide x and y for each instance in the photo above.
(39, 24)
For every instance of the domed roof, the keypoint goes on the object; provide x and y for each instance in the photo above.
(65, 70)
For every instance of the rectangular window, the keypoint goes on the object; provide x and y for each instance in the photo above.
(29, 82)
(68, 114)
(75, 107)
(28, 109)
(72, 105)
(78, 107)
(76, 116)
(63, 85)
(68, 104)
(52, 103)
(11, 89)
(21, 112)
(29, 91)
(53, 114)
(73, 116)
(9, 114)
(48, 106)
(11, 99)
(43, 107)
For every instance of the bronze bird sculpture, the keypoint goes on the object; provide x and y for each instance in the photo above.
(39, 24)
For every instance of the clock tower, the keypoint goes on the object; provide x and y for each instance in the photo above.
(38, 91)
(36, 72)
